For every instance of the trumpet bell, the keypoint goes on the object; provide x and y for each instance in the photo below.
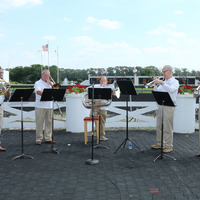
(56, 86)
(117, 92)
(3, 88)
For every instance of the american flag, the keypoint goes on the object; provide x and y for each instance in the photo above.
(45, 47)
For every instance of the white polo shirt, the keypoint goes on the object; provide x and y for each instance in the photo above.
(171, 86)
(108, 86)
(40, 86)
(2, 97)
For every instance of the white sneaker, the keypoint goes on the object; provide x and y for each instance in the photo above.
(103, 138)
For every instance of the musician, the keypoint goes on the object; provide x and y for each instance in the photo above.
(43, 109)
(197, 95)
(170, 85)
(103, 110)
(2, 97)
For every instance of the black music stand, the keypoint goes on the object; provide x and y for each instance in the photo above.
(163, 99)
(21, 95)
(92, 161)
(127, 88)
(100, 94)
(52, 95)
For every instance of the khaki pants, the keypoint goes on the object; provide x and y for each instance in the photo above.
(1, 120)
(43, 116)
(167, 126)
(103, 115)
(199, 126)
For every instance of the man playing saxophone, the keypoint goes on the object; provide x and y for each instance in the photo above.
(2, 97)
(43, 109)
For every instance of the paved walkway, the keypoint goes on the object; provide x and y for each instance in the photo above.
(126, 174)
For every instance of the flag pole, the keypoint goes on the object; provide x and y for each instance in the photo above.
(41, 62)
(57, 67)
(48, 55)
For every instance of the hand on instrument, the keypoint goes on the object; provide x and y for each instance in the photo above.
(158, 81)
(48, 81)
(8, 85)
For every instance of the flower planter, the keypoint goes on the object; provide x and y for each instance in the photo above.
(184, 117)
(75, 113)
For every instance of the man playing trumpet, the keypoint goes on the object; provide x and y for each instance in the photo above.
(171, 86)
(43, 109)
(197, 94)
(2, 97)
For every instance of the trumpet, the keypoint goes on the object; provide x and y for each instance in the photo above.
(151, 84)
(197, 90)
(55, 85)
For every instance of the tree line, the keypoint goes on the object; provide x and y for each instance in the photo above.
(30, 74)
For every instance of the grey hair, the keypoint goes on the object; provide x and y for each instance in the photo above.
(0, 67)
(103, 77)
(45, 71)
(169, 67)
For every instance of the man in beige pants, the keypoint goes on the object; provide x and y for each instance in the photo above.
(170, 85)
(43, 109)
(103, 110)
(2, 97)
(197, 95)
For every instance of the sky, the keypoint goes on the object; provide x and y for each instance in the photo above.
(84, 34)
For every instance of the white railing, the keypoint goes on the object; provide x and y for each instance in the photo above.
(137, 118)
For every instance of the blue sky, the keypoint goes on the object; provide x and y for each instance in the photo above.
(100, 33)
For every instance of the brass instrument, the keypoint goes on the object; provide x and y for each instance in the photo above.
(3, 87)
(197, 90)
(55, 85)
(151, 84)
(116, 90)
(100, 102)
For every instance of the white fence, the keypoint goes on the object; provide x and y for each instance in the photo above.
(139, 117)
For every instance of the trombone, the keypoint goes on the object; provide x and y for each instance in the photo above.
(55, 85)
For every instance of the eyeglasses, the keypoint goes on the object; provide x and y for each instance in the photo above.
(164, 71)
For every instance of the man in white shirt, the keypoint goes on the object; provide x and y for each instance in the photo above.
(171, 86)
(43, 109)
(2, 97)
(103, 110)
(197, 95)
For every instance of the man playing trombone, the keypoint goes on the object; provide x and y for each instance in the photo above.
(2, 97)
(43, 109)
(171, 86)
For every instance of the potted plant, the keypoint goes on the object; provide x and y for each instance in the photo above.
(75, 111)
(186, 89)
(77, 89)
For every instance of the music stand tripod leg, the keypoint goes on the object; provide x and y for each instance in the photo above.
(127, 137)
(22, 137)
(136, 145)
(123, 143)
